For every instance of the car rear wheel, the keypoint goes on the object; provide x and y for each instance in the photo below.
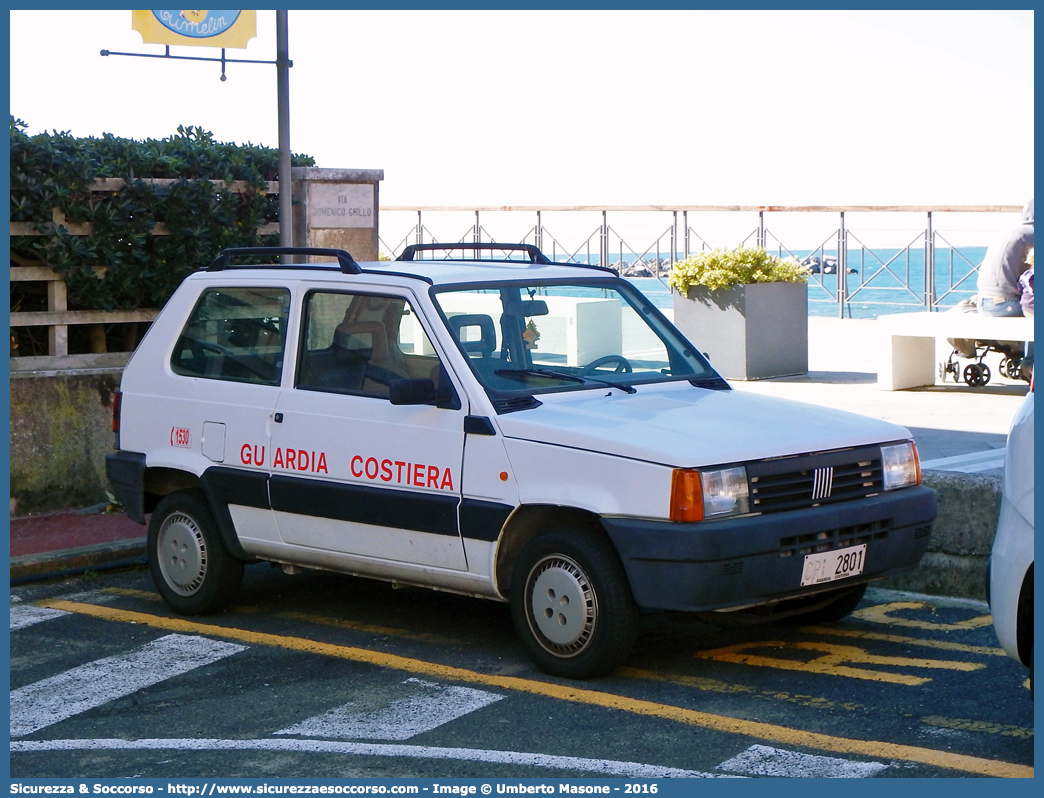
(193, 572)
(571, 604)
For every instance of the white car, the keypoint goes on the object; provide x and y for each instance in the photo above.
(1010, 574)
(503, 427)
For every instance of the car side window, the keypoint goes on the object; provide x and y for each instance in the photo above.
(360, 343)
(235, 334)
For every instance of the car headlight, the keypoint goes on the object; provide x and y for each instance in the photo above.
(697, 495)
(900, 466)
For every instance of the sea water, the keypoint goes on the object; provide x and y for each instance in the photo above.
(885, 281)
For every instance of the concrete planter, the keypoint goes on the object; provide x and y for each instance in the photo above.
(749, 332)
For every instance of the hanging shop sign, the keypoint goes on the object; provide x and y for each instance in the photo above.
(231, 29)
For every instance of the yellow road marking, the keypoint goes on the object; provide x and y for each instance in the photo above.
(1003, 729)
(130, 592)
(716, 686)
(882, 613)
(943, 645)
(748, 728)
(368, 628)
(831, 663)
(301, 616)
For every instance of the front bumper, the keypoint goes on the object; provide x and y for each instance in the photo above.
(759, 559)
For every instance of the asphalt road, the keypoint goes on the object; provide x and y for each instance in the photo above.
(325, 676)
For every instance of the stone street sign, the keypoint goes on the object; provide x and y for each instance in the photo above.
(337, 205)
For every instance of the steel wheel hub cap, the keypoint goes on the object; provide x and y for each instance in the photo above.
(182, 554)
(562, 606)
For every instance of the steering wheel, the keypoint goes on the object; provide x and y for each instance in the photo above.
(622, 364)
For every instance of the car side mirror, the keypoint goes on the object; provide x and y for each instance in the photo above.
(412, 392)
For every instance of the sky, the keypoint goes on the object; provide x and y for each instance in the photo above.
(583, 107)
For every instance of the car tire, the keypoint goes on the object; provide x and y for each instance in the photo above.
(571, 604)
(847, 599)
(191, 568)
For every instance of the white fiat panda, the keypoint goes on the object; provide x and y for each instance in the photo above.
(477, 419)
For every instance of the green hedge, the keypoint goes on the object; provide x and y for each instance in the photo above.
(56, 170)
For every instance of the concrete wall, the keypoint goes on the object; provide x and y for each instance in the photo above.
(61, 430)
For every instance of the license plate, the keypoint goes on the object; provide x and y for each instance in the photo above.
(832, 565)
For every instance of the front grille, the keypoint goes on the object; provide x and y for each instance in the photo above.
(816, 542)
(795, 483)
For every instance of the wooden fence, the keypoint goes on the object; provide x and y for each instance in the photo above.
(58, 318)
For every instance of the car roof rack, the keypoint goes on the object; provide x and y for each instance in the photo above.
(535, 255)
(223, 261)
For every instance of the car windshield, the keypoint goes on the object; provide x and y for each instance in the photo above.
(553, 336)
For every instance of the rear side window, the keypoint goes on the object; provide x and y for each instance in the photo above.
(235, 334)
(360, 343)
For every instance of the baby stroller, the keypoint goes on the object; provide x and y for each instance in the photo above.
(977, 374)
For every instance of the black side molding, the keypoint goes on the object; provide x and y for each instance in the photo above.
(224, 486)
(480, 520)
(362, 504)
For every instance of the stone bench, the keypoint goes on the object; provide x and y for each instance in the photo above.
(906, 342)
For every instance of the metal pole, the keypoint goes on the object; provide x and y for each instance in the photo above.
(478, 233)
(603, 254)
(674, 237)
(761, 229)
(286, 208)
(929, 266)
(685, 223)
(539, 233)
(842, 266)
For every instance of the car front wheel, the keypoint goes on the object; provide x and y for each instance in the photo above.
(571, 604)
(193, 572)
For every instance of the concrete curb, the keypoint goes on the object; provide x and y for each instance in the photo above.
(100, 556)
(962, 537)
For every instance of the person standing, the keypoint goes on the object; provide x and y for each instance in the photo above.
(999, 292)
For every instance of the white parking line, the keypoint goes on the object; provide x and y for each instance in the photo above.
(57, 698)
(608, 767)
(431, 706)
(967, 463)
(975, 468)
(28, 615)
(761, 760)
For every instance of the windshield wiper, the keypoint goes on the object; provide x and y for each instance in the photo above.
(558, 375)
